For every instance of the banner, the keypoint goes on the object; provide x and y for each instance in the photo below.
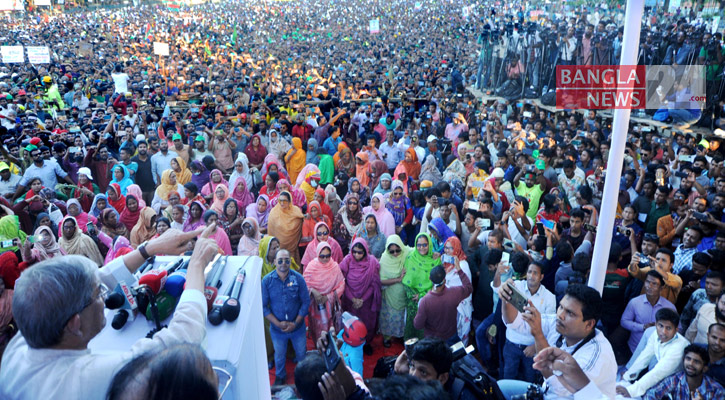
(8, 5)
(161, 49)
(42, 2)
(374, 26)
(38, 54)
(12, 54)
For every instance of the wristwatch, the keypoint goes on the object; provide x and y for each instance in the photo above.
(142, 249)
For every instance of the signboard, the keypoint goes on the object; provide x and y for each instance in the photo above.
(38, 54)
(12, 54)
(374, 26)
(161, 49)
(42, 2)
(9, 5)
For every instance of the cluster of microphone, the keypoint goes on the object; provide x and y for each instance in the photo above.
(157, 292)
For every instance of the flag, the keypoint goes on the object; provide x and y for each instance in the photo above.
(234, 36)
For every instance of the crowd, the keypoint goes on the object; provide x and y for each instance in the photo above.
(382, 197)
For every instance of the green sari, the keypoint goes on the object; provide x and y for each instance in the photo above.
(9, 230)
(417, 282)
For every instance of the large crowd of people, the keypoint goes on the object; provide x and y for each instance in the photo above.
(382, 196)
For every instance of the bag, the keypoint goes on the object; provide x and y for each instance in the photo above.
(549, 99)
(468, 374)
(510, 90)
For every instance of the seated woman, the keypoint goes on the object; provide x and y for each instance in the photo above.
(168, 184)
(240, 192)
(370, 232)
(385, 185)
(145, 228)
(100, 203)
(216, 178)
(270, 186)
(249, 242)
(183, 175)
(136, 191)
(85, 190)
(174, 199)
(73, 241)
(130, 213)
(162, 225)
(122, 178)
(191, 194)
(221, 195)
(115, 198)
(121, 246)
(45, 246)
(231, 221)
(260, 212)
(178, 216)
(110, 224)
(35, 185)
(82, 217)
(218, 235)
(195, 219)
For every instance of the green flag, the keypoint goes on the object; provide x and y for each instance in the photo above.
(234, 36)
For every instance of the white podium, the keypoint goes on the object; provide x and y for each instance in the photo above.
(237, 347)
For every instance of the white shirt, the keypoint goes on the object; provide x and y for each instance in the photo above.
(120, 81)
(29, 373)
(669, 361)
(543, 300)
(595, 358)
(10, 185)
(515, 234)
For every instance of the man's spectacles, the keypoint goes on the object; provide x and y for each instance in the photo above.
(284, 261)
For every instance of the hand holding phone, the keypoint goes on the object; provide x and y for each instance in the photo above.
(330, 352)
(517, 299)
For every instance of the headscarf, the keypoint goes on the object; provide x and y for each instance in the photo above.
(41, 252)
(443, 231)
(125, 181)
(39, 217)
(120, 204)
(264, 244)
(190, 225)
(429, 170)
(243, 197)
(327, 169)
(218, 235)
(118, 230)
(324, 207)
(121, 246)
(277, 145)
(295, 162)
(165, 187)
(398, 206)
(79, 243)
(217, 203)
(454, 242)
(417, 268)
(82, 218)
(325, 278)
(94, 206)
(310, 252)
(305, 173)
(144, 229)
(210, 187)
(253, 211)
(128, 218)
(379, 188)
(286, 226)
(249, 246)
(378, 168)
(256, 156)
(136, 191)
(202, 178)
(184, 175)
(390, 268)
(347, 223)
(411, 168)
(362, 275)
(270, 160)
(385, 219)
(298, 197)
(312, 156)
(244, 162)
(362, 172)
(338, 155)
(363, 194)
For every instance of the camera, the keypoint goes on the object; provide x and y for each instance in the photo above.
(533, 392)
(624, 230)
(643, 261)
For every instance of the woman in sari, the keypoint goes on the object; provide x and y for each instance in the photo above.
(121, 177)
(312, 156)
(216, 178)
(310, 184)
(313, 217)
(85, 190)
(355, 187)
(295, 159)
(439, 233)
(322, 234)
(231, 221)
(221, 195)
(302, 176)
(43, 219)
(196, 209)
(410, 166)
(378, 168)
(100, 203)
(241, 194)
(347, 221)
(326, 285)
(336, 157)
(183, 175)
(178, 216)
(256, 152)
(121, 246)
(168, 185)
(249, 242)
(199, 173)
(362, 295)
(285, 223)
(362, 168)
(136, 191)
(374, 238)
(73, 241)
(319, 197)
(298, 197)
(259, 210)
(130, 213)
(174, 199)
(110, 224)
(277, 145)
(392, 271)
(417, 282)
(270, 186)
(191, 194)
(45, 246)
(382, 215)
(385, 185)
(400, 207)
(454, 249)
(162, 225)
(81, 217)
(429, 171)
(346, 163)
(459, 168)
(273, 164)
(218, 235)
(145, 228)
(241, 170)
(332, 199)
(115, 198)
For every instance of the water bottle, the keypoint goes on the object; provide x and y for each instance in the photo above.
(323, 316)
(546, 89)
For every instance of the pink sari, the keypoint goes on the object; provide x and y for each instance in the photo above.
(327, 279)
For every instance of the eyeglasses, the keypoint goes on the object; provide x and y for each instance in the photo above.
(324, 256)
(102, 294)
(394, 252)
(225, 379)
(358, 252)
(284, 261)
(323, 233)
(352, 203)
(421, 245)
(397, 194)
(283, 201)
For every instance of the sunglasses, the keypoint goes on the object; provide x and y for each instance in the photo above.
(324, 256)
(397, 194)
(283, 201)
(358, 252)
(323, 233)
(421, 245)
(352, 203)
(398, 251)
(284, 261)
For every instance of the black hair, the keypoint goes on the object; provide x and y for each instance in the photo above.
(443, 186)
(432, 192)
(697, 229)
(585, 192)
(493, 256)
(715, 275)
(615, 253)
(549, 201)
(539, 243)
(519, 262)
(667, 314)
(434, 351)
(406, 387)
(697, 349)
(665, 250)
(567, 164)
(702, 258)
(524, 202)
(164, 220)
(589, 299)
(564, 251)
(308, 373)
(657, 275)
(581, 262)
(577, 213)
(542, 267)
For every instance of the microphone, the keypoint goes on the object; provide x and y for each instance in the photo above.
(175, 282)
(215, 315)
(122, 297)
(147, 265)
(115, 301)
(230, 310)
(156, 278)
(212, 283)
(165, 303)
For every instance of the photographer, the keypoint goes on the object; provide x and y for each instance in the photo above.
(662, 262)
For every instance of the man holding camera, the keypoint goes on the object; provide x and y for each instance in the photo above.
(662, 263)
(571, 329)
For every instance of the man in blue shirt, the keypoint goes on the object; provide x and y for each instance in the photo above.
(46, 170)
(285, 301)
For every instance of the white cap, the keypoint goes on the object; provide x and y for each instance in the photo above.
(85, 171)
(432, 138)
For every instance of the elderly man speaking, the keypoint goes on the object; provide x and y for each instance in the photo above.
(58, 306)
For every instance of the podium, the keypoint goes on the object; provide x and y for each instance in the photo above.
(237, 347)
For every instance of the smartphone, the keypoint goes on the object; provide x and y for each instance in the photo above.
(590, 228)
(681, 174)
(527, 114)
(518, 300)
(527, 151)
(505, 258)
(445, 258)
(576, 143)
(483, 223)
(473, 205)
(686, 158)
(700, 216)
(6, 244)
(540, 229)
(106, 117)
(547, 224)
(90, 227)
(74, 150)
(332, 356)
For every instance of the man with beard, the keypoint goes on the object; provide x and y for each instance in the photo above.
(46, 170)
(716, 350)
(100, 164)
(161, 161)
(692, 383)
(707, 315)
(144, 176)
